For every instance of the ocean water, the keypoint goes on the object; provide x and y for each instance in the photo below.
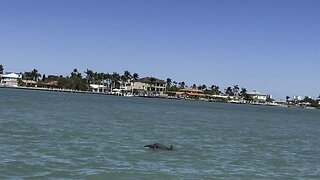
(52, 135)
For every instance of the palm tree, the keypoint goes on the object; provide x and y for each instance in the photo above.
(89, 77)
(182, 84)
(128, 75)
(215, 89)
(235, 90)
(115, 78)
(287, 98)
(229, 91)
(243, 92)
(106, 77)
(175, 83)
(35, 75)
(123, 80)
(169, 82)
(44, 78)
(135, 78)
(203, 87)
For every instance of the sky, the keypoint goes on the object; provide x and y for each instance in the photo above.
(271, 46)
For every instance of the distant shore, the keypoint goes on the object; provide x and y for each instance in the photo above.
(158, 97)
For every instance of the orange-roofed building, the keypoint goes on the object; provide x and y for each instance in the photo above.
(192, 93)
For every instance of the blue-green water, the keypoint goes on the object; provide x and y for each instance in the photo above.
(74, 136)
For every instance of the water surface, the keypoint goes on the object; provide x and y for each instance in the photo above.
(82, 136)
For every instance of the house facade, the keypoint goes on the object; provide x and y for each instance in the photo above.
(146, 85)
(97, 88)
(259, 96)
(10, 79)
(190, 93)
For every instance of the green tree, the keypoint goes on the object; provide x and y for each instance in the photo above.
(169, 83)
(243, 92)
(34, 75)
(89, 76)
(215, 89)
(43, 77)
(287, 98)
(125, 78)
(115, 78)
(106, 77)
(229, 91)
(182, 84)
(235, 90)
(1, 69)
(52, 78)
(203, 87)
(135, 78)
(127, 75)
(76, 73)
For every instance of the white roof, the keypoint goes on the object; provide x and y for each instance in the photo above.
(256, 93)
(96, 86)
(11, 75)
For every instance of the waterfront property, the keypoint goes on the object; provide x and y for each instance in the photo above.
(190, 93)
(29, 83)
(256, 96)
(97, 88)
(10, 79)
(145, 86)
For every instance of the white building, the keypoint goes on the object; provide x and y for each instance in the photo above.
(10, 79)
(146, 84)
(259, 96)
(98, 88)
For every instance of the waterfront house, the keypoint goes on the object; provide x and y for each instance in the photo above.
(145, 86)
(10, 79)
(97, 88)
(190, 93)
(256, 96)
(29, 83)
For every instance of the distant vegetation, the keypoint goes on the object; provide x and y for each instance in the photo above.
(81, 81)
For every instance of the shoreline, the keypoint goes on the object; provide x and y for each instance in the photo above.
(155, 97)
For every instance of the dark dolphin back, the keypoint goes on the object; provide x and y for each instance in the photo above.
(151, 146)
(159, 146)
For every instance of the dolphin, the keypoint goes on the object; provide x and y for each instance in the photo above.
(159, 146)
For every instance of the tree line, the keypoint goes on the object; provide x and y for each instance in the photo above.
(81, 81)
(78, 81)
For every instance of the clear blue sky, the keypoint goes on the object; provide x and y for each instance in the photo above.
(272, 46)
